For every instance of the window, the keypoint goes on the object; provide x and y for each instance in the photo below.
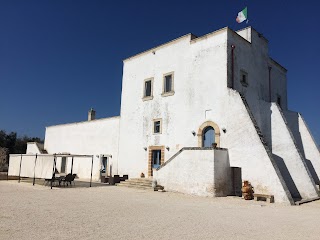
(244, 78)
(147, 89)
(157, 126)
(168, 84)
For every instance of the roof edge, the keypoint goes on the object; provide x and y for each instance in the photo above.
(192, 36)
(278, 64)
(82, 122)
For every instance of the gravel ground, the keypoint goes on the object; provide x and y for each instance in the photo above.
(109, 212)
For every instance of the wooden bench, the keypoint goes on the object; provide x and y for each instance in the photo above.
(268, 198)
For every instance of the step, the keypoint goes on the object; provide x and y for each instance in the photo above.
(137, 183)
(134, 184)
(136, 187)
(139, 180)
(302, 201)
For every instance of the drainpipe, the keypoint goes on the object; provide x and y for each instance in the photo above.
(232, 65)
(269, 83)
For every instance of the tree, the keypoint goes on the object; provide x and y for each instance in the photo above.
(16, 144)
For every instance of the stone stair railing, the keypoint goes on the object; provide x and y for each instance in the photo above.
(184, 149)
(262, 139)
(40, 146)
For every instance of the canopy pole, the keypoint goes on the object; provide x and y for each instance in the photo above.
(91, 169)
(34, 169)
(71, 165)
(53, 169)
(20, 168)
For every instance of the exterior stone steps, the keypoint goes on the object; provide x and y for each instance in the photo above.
(144, 180)
(255, 123)
(139, 183)
(125, 183)
(135, 186)
(302, 201)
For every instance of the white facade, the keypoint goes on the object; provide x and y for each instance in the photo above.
(209, 179)
(224, 80)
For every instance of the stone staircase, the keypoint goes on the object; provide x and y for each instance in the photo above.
(139, 183)
(262, 139)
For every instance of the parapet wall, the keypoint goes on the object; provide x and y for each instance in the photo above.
(202, 172)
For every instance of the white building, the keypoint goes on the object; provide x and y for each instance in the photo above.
(192, 92)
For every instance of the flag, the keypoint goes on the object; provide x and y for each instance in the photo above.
(242, 16)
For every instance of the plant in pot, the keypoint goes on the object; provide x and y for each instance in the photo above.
(214, 145)
(142, 175)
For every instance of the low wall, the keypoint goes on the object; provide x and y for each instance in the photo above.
(202, 172)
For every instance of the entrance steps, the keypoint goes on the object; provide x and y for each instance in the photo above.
(139, 183)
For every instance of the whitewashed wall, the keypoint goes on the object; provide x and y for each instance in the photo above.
(290, 162)
(201, 94)
(96, 137)
(197, 172)
(247, 152)
(310, 149)
(32, 148)
(199, 82)
(306, 143)
(251, 55)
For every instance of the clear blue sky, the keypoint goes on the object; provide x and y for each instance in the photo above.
(60, 58)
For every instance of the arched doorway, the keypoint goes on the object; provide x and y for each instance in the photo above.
(208, 137)
(208, 133)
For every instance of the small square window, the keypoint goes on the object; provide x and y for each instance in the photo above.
(157, 126)
(244, 78)
(147, 89)
(168, 81)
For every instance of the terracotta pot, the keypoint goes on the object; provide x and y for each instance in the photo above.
(247, 191)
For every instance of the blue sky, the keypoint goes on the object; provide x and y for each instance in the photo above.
(60, 58)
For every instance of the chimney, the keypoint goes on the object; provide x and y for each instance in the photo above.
(91, 115)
